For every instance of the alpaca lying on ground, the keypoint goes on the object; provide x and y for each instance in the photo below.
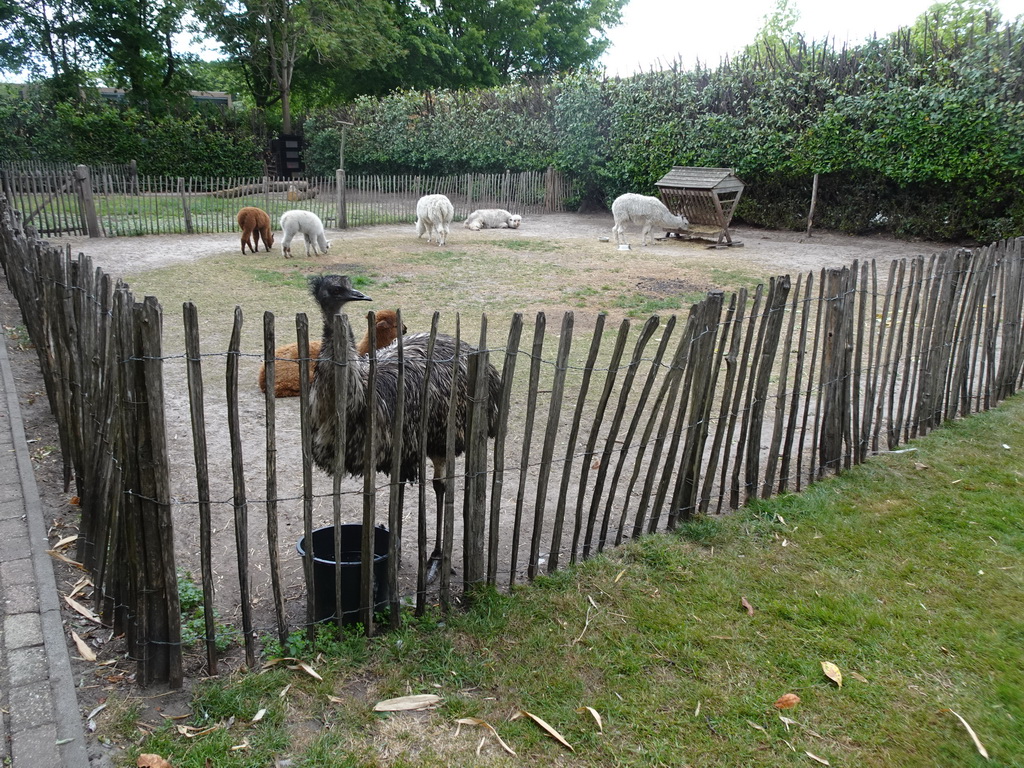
(286, 370)
(434, 213)
(255, 223)
(644, 212)
(312, 229)
(493, 218)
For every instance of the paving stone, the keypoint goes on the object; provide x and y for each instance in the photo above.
(22, 630)
(27, 665)
(12, 549)
(13, 527)
(31, 706)
(17, 572)
(10, 490)
(12, 509)
(36, 748)
(25, 599)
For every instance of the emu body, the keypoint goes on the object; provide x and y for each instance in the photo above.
(332, 292)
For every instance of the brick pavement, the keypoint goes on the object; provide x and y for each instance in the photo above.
(42, 724)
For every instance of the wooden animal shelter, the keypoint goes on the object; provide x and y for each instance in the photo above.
(707, 197)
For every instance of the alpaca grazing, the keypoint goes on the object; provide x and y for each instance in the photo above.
(434, 215)
(332, 292)
(286, 372)
(255, 223)
(307, 224)
(644, 212)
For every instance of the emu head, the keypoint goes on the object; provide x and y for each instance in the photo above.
(332, 292)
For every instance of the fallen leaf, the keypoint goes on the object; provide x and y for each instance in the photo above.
(595, 714)
(787, 701)
(284, 691)
(83, 649)
(821, 760)
(407, 703)
(65, 541)
(752, 724)
(307, 669)
(488, 726)
(96, 711)
(259, 715)
(596, 464)
(858, 677)
(76, 501)
(551, 731)
(79, 608)
(748, 606)
(335, 699)
(152, 761)
(65, 559)
(919, 465)
(620, 575)
(787, 722)
(243, 745)
(832, 673)
(974, 736)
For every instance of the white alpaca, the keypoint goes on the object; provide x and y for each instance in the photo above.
(434, 213)
(644, 212)
(495, 218)
(312, 229)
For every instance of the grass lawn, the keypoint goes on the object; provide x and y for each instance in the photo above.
(906, 573)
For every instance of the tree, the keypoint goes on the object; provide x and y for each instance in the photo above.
(268, 38)
(40, 37)
(947, 26)
(777, 31)
(463, 44)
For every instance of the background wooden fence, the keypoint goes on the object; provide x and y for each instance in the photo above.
(604, 436)
(57, 199)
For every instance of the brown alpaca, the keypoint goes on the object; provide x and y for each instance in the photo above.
(255, 223)
(286, 375)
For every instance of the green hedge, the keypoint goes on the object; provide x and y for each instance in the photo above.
(200, 143)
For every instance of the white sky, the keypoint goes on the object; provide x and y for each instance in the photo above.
(656, 33)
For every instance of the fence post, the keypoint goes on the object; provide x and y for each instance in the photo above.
(86, 204)
(184, 205)
(342, 216)
(133, 175)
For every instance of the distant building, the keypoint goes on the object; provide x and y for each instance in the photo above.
(220, 98)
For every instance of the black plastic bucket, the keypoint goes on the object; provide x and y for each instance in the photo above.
(324, 567)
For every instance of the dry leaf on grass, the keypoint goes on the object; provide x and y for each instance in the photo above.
(858, 677)
(83, 649)
(152, 761)
(489, 727)
(752, 724)
(550, 731)
(787, 722)
(259, 715)
(832, 673)
(594, 714)
(974, 736)
(821, 760)
(407, 703)
(65, 559)
(748, 606)
(787, 701)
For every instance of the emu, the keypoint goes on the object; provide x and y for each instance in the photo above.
(332, 292)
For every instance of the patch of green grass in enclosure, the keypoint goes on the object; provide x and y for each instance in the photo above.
(541, 246)
(279, 279)
(639, 305)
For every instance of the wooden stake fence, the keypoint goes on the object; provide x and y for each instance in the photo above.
(624, 434)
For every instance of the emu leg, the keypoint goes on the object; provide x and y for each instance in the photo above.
(434, 563)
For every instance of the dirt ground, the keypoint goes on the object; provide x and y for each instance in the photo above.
(775, 252)
(583, 258)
